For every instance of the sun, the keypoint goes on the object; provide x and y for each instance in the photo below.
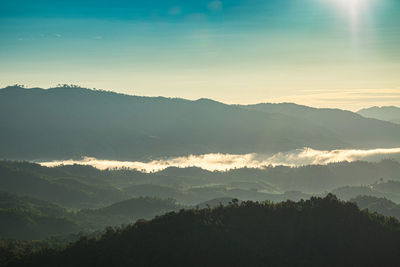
(353, 10)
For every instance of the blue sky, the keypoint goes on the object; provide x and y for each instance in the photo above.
(336, 53)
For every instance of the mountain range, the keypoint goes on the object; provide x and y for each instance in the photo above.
(71, 122)
(389, 113)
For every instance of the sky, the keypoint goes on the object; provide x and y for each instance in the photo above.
(323, 53)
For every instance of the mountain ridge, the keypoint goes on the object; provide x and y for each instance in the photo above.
(387, 113)
(71, 122)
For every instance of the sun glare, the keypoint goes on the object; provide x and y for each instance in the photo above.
(353, 10)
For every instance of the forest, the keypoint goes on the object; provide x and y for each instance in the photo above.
(84, 216)
(315, 232)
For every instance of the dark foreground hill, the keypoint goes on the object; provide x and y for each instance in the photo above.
(70, 122)
(316, 232)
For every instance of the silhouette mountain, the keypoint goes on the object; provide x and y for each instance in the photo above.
(71, 122)
(351, 127)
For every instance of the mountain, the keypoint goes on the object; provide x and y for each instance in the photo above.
(315, 232)
(351, 127)
(125, 212)
(380, 205)
(389, 190)
(29, 218)
(71, 122)
(57, 185)
(389, 113)
(81, 187)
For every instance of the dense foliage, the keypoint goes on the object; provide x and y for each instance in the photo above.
(316, 232)
(79, 187)
(26, 218)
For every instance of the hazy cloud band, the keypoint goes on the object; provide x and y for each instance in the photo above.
(222, 162)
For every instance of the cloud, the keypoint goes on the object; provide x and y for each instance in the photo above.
(223, 162)
(214, 5)
(358, 98)
(98, 37)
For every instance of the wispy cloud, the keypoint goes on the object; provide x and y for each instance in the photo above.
(356, 98)
(223, 162)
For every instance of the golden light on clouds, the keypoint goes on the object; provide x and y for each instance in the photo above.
(352, 99)
(223, 162)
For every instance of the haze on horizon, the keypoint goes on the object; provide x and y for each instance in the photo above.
(322, 53)
(226, 162)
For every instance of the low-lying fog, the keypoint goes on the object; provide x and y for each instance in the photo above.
(222, 162)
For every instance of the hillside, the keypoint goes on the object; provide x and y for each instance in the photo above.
(351, 127)
(125, 212)
(388, 190)
(380, 205)
(28, 218)
(316, 232)
(70, 122)
(56, 185)
(391, 113)
(80, 187)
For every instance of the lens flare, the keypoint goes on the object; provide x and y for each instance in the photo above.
(354, 11)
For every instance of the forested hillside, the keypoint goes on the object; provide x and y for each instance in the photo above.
(26, 218)
(380, 205)
(79, 187)
(39, 202)
(316, 232)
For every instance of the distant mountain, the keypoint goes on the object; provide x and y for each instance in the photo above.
(57, 185)
(28, 218)
(388, 190)
(380, 205)
(389, 113)
(127, 211)
(80, 187)
(70, 122)
(315, 232)
(351, 127)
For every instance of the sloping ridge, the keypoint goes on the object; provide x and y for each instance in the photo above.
(357, 130)
(61, 123)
